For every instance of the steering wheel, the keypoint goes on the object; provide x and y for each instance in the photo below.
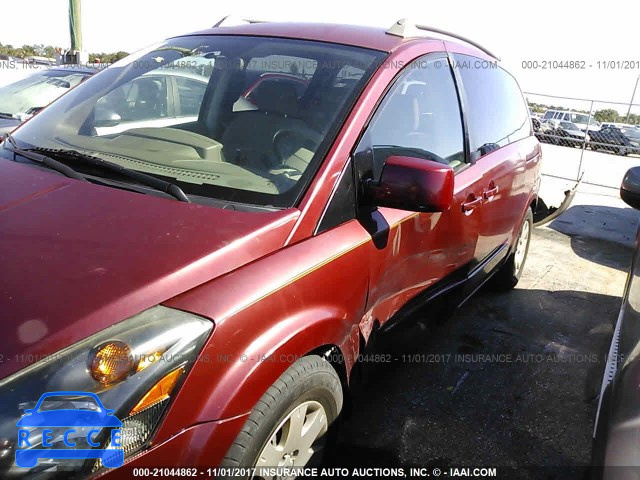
(288, 140)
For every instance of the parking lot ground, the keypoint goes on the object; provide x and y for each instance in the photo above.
(511, 379)
(600, 168)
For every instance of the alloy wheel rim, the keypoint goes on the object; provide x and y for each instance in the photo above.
(294, 441)
(521, 247)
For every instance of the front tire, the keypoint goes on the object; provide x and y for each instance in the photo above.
(288, 426)
(508, 276)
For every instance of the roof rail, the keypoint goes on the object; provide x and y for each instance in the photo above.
(403, 28)
(232, 21)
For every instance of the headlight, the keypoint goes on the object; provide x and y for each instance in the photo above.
(134, 367)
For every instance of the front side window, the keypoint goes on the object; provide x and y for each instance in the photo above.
(420, 116)
(179, 111)
(138, 103)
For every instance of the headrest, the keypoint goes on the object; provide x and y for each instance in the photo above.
(149, 87)
(276, 97)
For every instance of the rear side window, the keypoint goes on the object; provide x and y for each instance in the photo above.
(496, 110)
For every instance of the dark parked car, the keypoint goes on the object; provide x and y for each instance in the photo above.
(21, 100)
(536, 124)
(617, 427)
(622, 141)
(215, 281)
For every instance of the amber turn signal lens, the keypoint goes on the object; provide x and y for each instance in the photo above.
(160, 391)
(111, 362)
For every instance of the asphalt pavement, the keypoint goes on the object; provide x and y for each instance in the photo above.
(511, 379)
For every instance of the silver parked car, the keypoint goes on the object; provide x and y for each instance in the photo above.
(20, 100)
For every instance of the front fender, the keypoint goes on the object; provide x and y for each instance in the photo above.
(229, 378)
(268, 314)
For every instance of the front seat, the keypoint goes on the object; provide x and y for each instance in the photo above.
(248, 140)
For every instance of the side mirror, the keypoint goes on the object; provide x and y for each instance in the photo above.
(630, 188)
(413, 184)
(106, 118)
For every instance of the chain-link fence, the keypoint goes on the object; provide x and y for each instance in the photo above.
(582, 136)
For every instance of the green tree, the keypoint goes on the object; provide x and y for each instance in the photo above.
(28, 50)
(107, 57)
(607, 115)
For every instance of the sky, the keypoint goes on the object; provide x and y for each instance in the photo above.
(544, 30)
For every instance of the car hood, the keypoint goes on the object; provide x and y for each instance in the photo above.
(8, 124)
(78, 257)
(18, 98)
(576, 133)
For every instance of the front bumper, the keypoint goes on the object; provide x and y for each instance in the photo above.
(194, 449)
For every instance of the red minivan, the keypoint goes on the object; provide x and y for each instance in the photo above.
(212, 267)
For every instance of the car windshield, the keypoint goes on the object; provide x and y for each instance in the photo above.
(235, 118)
(38, 90)
(578, 118)
(632, 133)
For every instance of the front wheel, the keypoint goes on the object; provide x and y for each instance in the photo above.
(288, 426)
(508, 275)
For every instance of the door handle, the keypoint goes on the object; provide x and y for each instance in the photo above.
(491, 192)
(472, 204)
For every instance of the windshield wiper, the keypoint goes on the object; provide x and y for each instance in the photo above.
(41, 159)
(7, 116)
(142, 178)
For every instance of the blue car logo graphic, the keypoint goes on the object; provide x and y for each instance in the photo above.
(66, 425)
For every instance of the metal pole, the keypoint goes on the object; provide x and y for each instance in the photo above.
(584, 143)
(75, 27)
(633, 95)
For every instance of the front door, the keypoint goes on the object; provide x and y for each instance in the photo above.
(420, 116)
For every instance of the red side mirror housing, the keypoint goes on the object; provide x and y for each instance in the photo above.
(413, 184)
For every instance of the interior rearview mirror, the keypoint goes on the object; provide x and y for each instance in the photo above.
(630, 188)
(413, 184)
